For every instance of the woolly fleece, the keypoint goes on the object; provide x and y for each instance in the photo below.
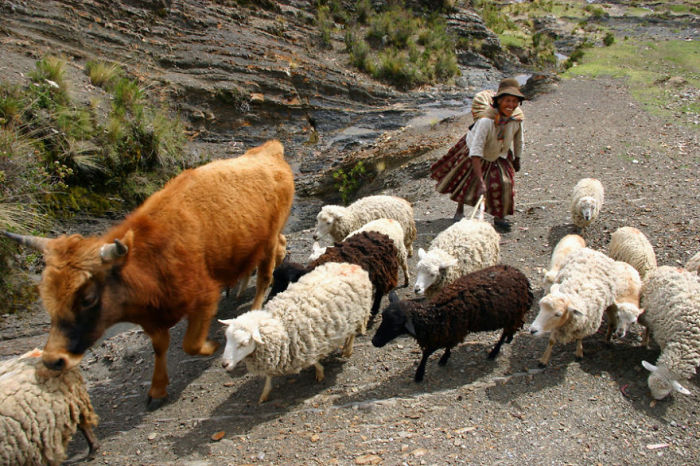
(311, 319)
(628, 244)
(671, 300)
(40, 410)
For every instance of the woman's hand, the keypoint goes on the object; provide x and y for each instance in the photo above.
(481, 189)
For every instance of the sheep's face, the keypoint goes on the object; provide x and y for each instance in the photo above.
(316, 251)
(324, 222)
(428, 270)
(240, 341)
(555, 310)
(394, 323)
(587, 207)
(627, 314)
(662, 382)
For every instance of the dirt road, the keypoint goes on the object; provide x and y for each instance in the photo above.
(476, 411)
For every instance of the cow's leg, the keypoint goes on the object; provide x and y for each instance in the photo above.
(196, 341)
(263, 280)
(160, 339)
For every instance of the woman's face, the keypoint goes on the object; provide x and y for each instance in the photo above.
(507, 104)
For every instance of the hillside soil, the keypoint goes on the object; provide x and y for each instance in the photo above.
(369, 410)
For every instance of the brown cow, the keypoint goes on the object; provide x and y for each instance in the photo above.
(168, 260)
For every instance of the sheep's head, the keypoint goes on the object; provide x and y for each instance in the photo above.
(395, 322)
(627, 314)
(316, 251)
(587, 207)
(556, 309)
(242, 335)
(662, 382)
(325, 219)
(431, 265)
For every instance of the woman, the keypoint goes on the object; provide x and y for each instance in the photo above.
(486, 159)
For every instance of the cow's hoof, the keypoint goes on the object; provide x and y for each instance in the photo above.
(155, 403)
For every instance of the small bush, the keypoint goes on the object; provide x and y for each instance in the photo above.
(325, 24)
(348, 182)
(102, 74)
(609, 39)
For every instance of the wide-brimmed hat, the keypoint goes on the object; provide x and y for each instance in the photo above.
(509, 86)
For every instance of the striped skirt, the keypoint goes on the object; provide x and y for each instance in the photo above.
(454, 176)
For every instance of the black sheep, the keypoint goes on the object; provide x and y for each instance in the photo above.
(488, 299)
(375, 252)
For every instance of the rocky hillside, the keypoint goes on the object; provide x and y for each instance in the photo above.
(235, 72)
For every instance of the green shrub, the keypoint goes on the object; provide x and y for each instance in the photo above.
(609, 39)
(102, 74)
(325, 24)
(363, 11)
(348, 182)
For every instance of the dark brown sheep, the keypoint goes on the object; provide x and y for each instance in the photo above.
(375, 252)
(489, 299)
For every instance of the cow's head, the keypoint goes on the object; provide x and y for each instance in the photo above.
(78, 291)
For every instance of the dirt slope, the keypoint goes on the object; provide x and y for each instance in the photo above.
(369, 410)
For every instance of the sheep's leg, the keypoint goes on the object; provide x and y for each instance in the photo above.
(266, 390)
(90, 437)
(157, 394)
(496, 349)
(320, 375)
(420, 372)
(377, 302)
(579, 350)
(544, 360)
(645, 339)
(347, 347)
(611, 313)
(406, 275)
(444, 358)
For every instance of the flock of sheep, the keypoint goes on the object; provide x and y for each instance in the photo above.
(317, 308)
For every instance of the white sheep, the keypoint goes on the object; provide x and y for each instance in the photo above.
(325, 309)
(625, 311)
(693, 264)
(387, 226)
(40, 411)
(630, 245)
(335, 222)
(671, 299)
(564, 247)
(586, 201)
(573, 309)
(462, 248)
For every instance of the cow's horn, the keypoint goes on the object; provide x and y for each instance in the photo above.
(110, 252)
(36, 242)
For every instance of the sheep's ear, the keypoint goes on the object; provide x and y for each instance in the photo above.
(393, 297)
(409, 326)
(421, 254)
(226, 321)
(679, 388)
(649, 366)
(577, 312)
(257, 338)
(448, 263)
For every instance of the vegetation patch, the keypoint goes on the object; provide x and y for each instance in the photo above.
(663, 76)
(58, 157)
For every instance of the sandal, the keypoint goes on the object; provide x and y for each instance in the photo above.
(501, 224)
